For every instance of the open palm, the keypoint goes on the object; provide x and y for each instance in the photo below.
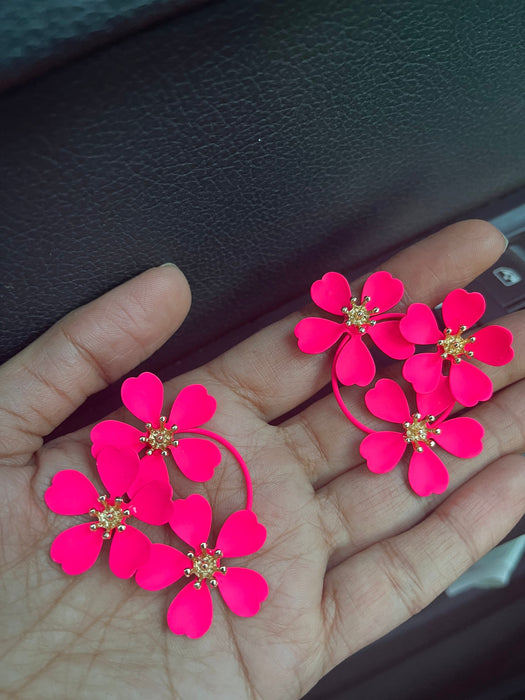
(349, 554)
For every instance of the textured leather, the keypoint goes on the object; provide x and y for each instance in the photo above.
(257, 145)
(36, 35)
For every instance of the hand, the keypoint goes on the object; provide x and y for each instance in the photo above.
(349, 554)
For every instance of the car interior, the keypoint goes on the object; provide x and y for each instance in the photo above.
(258, 144)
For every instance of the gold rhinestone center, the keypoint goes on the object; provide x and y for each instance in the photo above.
(418, 431)
(205, 564)
(357, 315)
(453, 345)
(160, 438)
(110, 517)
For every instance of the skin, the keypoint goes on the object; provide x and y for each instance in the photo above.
(349, 554)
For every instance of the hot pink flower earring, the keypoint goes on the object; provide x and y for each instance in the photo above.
(436, 394)
(139, 487)
(72, 493)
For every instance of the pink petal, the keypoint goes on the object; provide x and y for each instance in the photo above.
(241, 534)
(192, 407)
(152, 503)
(437, 401)
(191, 519)
(118, 469)
(71, 493)
(129, 551)
(116, 434)
(427, 474)
(144, 396)
(77, 549)
(493, 345)
(331, 293)
(462, 308)
(164, 566)
(423, 371)
(191, 612)
(196, 458)
(387, 336)
(243, 590)
(317, 334)
(461, 437)
(151, 468)
(354, 364)
(420, 326)
(469, 384)
(388, 401)
(382, 451)
(384, 291)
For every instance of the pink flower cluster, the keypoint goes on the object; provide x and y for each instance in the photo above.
(138, 486)
(439, 377)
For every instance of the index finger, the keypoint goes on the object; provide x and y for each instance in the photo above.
(269, 374)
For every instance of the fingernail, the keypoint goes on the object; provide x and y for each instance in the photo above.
(168, 264)
(506, 243)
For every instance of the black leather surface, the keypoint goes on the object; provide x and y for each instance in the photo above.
(36, 35)
(257, 145)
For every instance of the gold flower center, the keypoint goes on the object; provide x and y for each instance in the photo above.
(419, 431)
(110, 517)
(453, 345)
(205, 564)
(160, 438)
(358, 315)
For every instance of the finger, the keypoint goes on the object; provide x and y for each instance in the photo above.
(358, 508)
(375, 591)
(83, 353)
(268, 373)
(323, 438)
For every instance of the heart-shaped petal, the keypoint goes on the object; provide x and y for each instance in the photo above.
(384, 291)
(77, 549)
(382, 451)
(461, 437)
(331, 292)
(192, 407)
(437, 401)
(316, 335)
(152, 468)
(243, 590)
(144, 396)
(419, 325)
(354, 363)
(117, 434)
(423, 371)
(152, 503)
(191, 519)
(164, 566)
(241, 534)
(427, 474)
(191, 612)
(387, 400)
(196, 458)
(493, 345)
(129, 551)
(387, 336)
(469, 384)
(462, 308)
(118, 469)
(71, 493)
